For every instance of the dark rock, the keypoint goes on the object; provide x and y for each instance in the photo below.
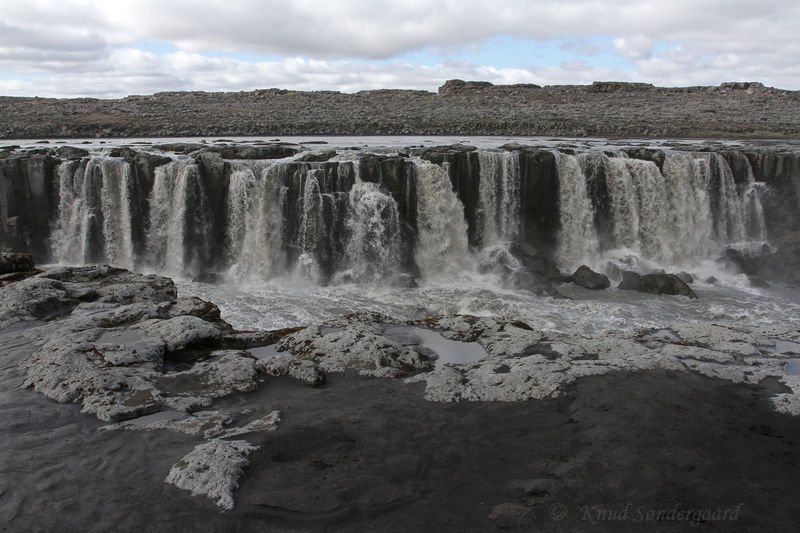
(685, 277)
(250, 339)
(16, 262)
(631, 281)
(588, 278)
(757, 282)
(269, 151)
(316, 156)
(180, 148)
(212, 278)
(11, 277)
(70, 152)
(665, 284)
(712, 280)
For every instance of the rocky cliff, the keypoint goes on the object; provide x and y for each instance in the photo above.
(603, 109)
(262, 210)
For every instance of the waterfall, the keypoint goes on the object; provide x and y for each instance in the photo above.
(624, 210)
(310, 224)
(688, 225)
(116, 204)
(650, 195)
(322, 221)
(94, 213)
(725, 204)
(755, 226)
(442, 248)
(499, 197)
(177, 238)
(373, 227)
(255, 203)
(578, 239)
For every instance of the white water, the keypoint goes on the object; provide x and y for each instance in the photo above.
(94, 214)
(255, 222)
(373, 227)
(177, 219)
(499, 197)
(442, 248)
(676, 217)
(578, 239)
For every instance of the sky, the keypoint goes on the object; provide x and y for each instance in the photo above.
(114, 48)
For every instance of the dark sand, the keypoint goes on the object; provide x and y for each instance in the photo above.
(372, 455)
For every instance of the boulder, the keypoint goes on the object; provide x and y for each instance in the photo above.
(269, 151)
(316, 157)
(685, 277)
(588, 278)
(16, 262)
(757, 282)
(665, 284)
(70, 152)
(631, 281)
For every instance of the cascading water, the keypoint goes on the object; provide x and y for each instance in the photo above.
(669, 216)
(94, 213)
(373, 227)
(755, 226)
(442, 248)
(650, 194)
(498, 212)
(177, 236)
(624, 209)
(724, 201)
(323, 222)
(578, 239)
(256, 197)
(499, 200)
(310, 209)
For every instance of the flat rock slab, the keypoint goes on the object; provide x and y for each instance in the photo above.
(212, 470)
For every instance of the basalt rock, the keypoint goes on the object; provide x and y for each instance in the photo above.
(588, 278)
(16, 262)
(665, 284)
(458, 108)
(631, 281)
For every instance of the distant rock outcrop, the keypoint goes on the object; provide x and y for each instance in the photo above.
(602, 109)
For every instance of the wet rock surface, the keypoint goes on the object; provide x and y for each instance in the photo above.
(589, 279)
(665, 284)
(353, 450)
(16, 262)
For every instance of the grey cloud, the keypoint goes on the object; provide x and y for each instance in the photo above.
(89, 47)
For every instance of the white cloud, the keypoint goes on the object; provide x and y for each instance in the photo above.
(83, 47)
(634, 47)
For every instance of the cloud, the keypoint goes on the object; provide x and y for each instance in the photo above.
(83, 47)
(634, 47)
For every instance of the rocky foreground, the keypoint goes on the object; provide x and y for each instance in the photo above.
(128, 350)
(603, 109)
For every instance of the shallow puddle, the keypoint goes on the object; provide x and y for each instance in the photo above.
(264, 352)
(793, 367)
(446, 350)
